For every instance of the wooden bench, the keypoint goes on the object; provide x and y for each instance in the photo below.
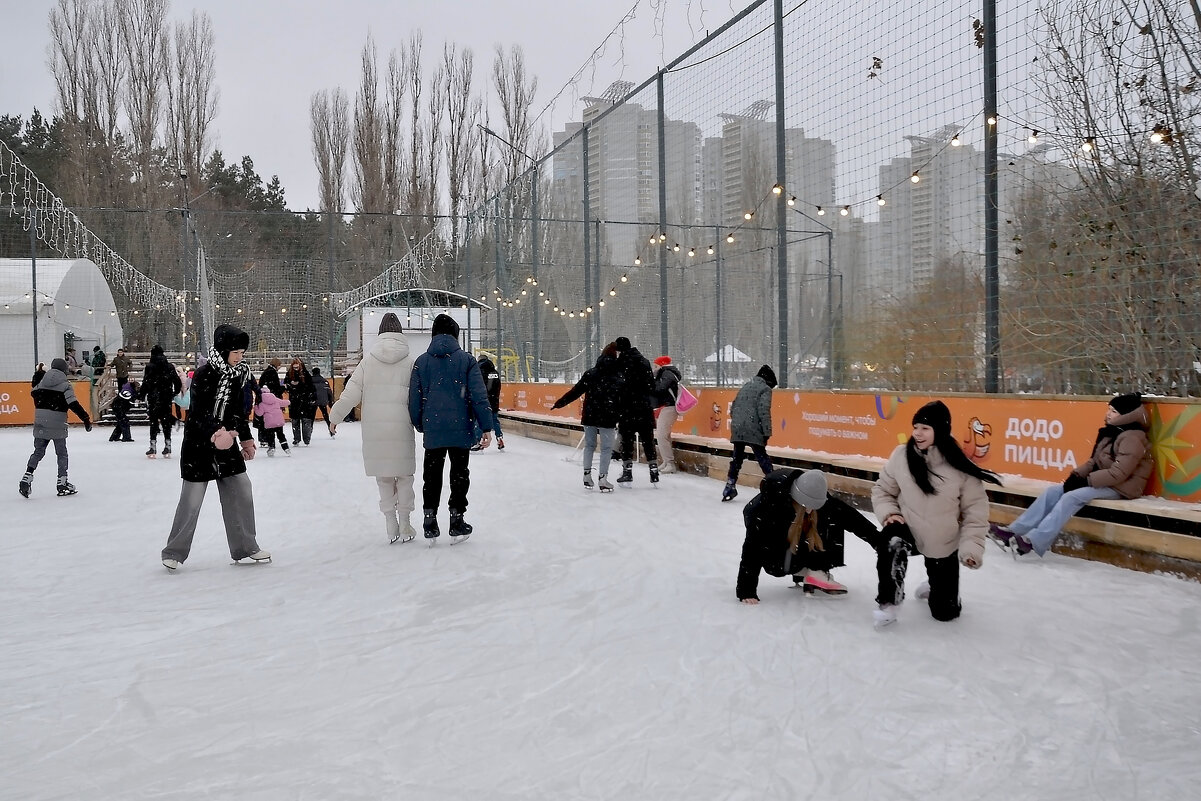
(1149, 533)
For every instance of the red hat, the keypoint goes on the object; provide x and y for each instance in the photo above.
(663, 361)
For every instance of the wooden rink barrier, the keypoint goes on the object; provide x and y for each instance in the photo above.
(1029, 440)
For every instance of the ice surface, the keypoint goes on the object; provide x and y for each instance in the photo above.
(577, 646)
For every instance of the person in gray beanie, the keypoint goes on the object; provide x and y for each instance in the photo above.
(52, 397)
(795, 527)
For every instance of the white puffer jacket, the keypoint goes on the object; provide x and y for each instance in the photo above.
(954, 518)
(381, 384)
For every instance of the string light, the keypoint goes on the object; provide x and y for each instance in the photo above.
(792, 200)
(1087, 145)
(821, 212)
(748, 215)
(710, 250)
(915, 177)
(777, 189)
(662, 237)
(1033, 138)
(992, 120)
(880, 201)
(730, 238)
(691, 252)
(676, 247)
(845, 211)
(955, 142)
(637, 261)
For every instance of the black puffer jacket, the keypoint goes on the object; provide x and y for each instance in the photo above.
(160, 384)
(767, 518)
(200, 460)
(638, 382)
(302, 396)
(491, 382)
(602, 389)
(667, 386)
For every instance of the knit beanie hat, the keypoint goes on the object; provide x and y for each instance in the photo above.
(58, 364)
(622, 344)
(663, 361)
(390, 324)
(936, 415)
(768, 375)
(1125, 404)
(445, 324)
(157, 350)
(809, 489)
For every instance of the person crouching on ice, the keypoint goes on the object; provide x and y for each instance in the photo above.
(216, 424)
(795, 527)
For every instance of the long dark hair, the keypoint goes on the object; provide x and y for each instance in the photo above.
(955, 457)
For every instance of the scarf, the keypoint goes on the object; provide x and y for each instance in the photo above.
(225, 387)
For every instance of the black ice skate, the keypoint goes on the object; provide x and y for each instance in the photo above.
(654, 472)
(167, 450)
(429, 526)
(66, 487)
(26, 485)
(459, 528)
(627, 474)
(152, 451)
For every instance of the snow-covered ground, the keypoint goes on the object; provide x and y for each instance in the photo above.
(577, 646)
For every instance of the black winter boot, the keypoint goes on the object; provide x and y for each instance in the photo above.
(430, 525)
(459, 528)
(627, 473)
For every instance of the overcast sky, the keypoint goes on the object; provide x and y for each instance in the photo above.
(273, 54)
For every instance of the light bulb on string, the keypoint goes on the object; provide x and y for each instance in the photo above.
(915, 177)
(748, 215)
(955, 141)
(602, 303)
(1087, 145)
(624, 278)
(612, 293)
(653, 239)
(730, 238)
(777, 189)
(880, 201)
(845, 211)
(530, 280)
(992, 120)
(1033, 137)
(710, 250)
(676, 247)
(792, 200)
(637, 261)
(662, 237)
(691, 252)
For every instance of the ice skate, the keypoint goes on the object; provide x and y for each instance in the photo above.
(588, 479)
(884, 616)
(820, 581)
(392, 526)
(627, 474)
(407, 532)
(729, 492)
(1021, 545)
(66, 487)
(668, 468)
(258, 557)
(167, 450)
(26, 485)
(500, 443)
(1000, 535)
(603, 484)
(429, 526)
(171, 564)
(152, 451)
(459, 528)
(654, 468)
(271, 453)
(288, 452)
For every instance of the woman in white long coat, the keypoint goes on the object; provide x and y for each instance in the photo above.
(381, 384)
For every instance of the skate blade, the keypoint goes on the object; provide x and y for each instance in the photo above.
(401, 540)
(246, 560)
(455, 540)
(811, 590)
(606, 490)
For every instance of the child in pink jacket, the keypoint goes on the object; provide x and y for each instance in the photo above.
(271, 409)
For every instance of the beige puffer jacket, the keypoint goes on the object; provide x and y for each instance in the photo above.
(954, 518)
(1127, 466)
(381, 384)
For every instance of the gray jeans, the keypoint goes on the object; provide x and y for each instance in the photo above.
(39, 450)
(237, 509)
(606, 447)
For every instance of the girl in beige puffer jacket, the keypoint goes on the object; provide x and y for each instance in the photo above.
(931, 499)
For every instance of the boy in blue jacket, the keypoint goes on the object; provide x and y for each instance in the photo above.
(447, 399)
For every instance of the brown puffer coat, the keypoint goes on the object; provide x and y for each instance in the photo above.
(1123, 463)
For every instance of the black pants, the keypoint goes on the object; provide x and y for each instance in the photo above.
(270, 434)
(324, 415)
(760, 453)
(460, 478)
(893, 546)
(164, 420)
(644, 428)
(121, 430)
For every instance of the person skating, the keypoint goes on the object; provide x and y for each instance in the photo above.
(795, 527)
(492, 383)
(602, 390)
(270, 410)
(121, 406)
(160, 384)
(216, 446)
(323, 397)
(1120, 467)
(380, 384)
(666, 392)
(121, 367)
(931, 500)
(52, 397)
(750, 427)
(303, 397)
(446, 398)
(635, 413)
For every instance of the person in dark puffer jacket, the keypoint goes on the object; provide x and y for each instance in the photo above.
(446, 399)
(750, 426)
(121, 407)
(52, 397)
(601, 387)
(216, 446)
(160, 385)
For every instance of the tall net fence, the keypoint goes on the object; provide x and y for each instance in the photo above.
(898, 197)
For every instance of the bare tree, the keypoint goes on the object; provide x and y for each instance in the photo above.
(368, 190)
(515, 89)
(398, 81)
(106, 71)
(191, 94)
(462, 115)
(144, 39)
(67, 54)
(412, 68)
(329, 123)
(436, 110)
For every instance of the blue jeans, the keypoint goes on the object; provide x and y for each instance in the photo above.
(606, 447)
(1046, 517)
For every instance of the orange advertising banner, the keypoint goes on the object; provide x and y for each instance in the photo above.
(1032, 437)
(16, 404)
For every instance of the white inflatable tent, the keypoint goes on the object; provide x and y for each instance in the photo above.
(73, 299)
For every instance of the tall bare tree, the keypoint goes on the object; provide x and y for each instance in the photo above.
(367, 140)
(394, 108)
(329, 124)
(145, 42)
(462, 117)
(436, 114)
(191, 93)
(515, 90)
(413, 170)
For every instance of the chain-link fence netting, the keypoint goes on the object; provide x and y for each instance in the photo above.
(899, 197)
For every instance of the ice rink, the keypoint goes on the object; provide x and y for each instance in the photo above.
(578, 646)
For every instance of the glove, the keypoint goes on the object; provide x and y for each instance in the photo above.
(223, 439)
(248, 449)
(1074, 481)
